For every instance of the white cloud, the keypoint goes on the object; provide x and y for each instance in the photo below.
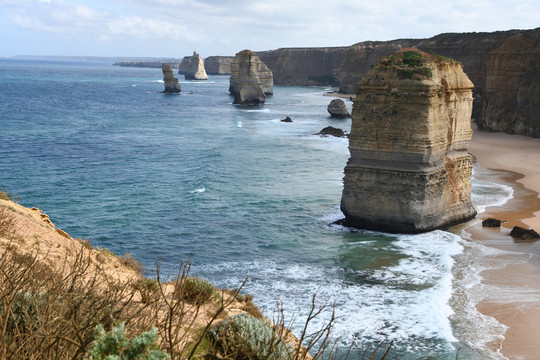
(225, 27)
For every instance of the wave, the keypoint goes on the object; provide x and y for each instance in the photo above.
(198, 191)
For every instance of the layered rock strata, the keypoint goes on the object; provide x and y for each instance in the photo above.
(218, 65)
(195, 69)
(250, 79)
(409, 169)
(171, 83)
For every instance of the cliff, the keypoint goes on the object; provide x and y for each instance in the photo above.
(409, 169)
(304, 66)
(58, 289)
(195, 69)
(218, 65)
(505, 68)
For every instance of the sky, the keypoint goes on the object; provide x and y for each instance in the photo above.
(176, 28)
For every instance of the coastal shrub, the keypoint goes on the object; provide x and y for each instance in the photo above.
(412, 58)
(115, 345)
(197, 290)
(246, 337)
(7, 195)
(148, 289)
(7, 222)
(132, 263)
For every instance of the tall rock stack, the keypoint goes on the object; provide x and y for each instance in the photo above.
(195, 69)
(250, 79)
(171, 83)
(409, 169)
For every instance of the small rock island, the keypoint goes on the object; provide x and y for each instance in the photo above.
(409, 170)
(171, 83)
(195, 68)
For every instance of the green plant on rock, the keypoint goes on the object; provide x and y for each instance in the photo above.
(197, 290)
(115, 345)
(246, 337)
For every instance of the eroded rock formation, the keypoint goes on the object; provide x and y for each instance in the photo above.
(338, 109)
(409, 169)
(218, 65)
(171, 83)
(195, 68)
(250, 79)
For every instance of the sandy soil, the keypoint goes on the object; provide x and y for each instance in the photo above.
(517, 304)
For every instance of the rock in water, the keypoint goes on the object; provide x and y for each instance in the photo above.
(491, 222)
(245, 83)
(338, 109)
(171, 83)
(524, 234)
(195, 69)
(409, 169)
(330, 130)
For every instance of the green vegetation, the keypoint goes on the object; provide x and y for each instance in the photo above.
(115, 345)
(246, 337)
(408, 65)
(196, 290)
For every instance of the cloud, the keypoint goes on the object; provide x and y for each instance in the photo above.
(225, 27)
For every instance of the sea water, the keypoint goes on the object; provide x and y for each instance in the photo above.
(239, 194)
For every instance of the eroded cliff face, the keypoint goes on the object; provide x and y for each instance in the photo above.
(245, 83)
(505, 69)
(218, 65)
(195, 69)
(409, 169)
(304, 66)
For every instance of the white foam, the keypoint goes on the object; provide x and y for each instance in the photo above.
(239, 124)
(198, 191)
(157, 81)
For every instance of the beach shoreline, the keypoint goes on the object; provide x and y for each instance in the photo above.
(515, 303)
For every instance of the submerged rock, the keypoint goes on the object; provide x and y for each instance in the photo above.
(246, 83)
(195, 68)
(330, 130)
(338, 109)
(171, 83)
(409, 169)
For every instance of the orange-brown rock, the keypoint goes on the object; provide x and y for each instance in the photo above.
(409, 169)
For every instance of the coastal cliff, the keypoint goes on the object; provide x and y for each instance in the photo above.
(304, 66)
(218, 65)
(505, 69)
(409, 169)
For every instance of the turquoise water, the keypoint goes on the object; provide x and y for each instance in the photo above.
(238, 193)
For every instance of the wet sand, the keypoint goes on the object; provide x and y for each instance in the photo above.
(516, 299)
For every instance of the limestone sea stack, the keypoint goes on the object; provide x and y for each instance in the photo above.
(409, 169)
(250, 79)
(338, 109)
(195, 69)
(171, 83)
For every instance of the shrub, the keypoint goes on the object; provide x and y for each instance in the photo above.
(130, 261)
(196, 290)
(117, 346)
(246, 337)
(7, 195)
(7, 221)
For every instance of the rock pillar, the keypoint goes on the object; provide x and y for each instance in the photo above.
(171, 83)
(409, 169)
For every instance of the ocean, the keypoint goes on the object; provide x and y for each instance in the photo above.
(239, 194)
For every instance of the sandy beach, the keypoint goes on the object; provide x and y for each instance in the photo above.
(516, 299)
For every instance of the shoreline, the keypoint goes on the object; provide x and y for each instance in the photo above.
(515, 297)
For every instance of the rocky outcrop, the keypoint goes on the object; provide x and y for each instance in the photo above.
(171, 83)
(184, 64)
(521, 233)
(409, 169)
(195, 68)
(250, 79)
(332, 131)
(218, 65)
(338, 109)
(304, 66)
